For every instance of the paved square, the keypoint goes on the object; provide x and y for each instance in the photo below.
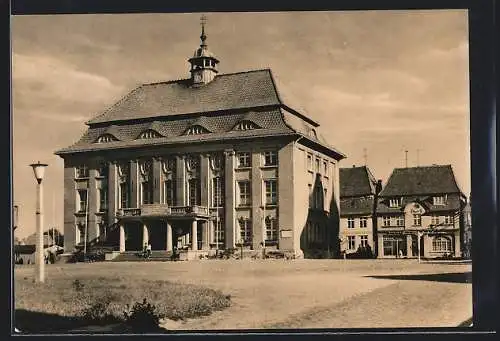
(311, 293)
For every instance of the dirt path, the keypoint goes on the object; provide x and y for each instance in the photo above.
(257, 303)
(404, 304)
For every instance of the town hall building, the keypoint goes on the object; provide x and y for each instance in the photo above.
(211, 162)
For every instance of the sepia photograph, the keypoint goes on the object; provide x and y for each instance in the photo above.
(239, 171)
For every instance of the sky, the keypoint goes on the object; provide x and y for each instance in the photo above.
(377, 82)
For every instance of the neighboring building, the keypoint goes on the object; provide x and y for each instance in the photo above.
(203, 163)
(425, 202)
(358, 191)
(31, 239)
(467, 238)
(26, 254)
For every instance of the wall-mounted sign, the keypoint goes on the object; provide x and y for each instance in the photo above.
(286, 234)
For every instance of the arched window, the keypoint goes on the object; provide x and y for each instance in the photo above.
(196, 130)
(246, 125)
(149, 134)
(105, 138)
(441, 244)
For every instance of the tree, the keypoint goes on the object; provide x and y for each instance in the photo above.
(57, 236)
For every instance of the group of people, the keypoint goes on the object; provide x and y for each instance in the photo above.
(146, 251)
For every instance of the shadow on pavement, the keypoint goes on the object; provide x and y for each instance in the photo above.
(454, 277)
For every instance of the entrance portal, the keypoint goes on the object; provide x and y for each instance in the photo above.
(157, 235)
(133, 236)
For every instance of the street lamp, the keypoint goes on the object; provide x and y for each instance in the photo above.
(241, 246)
(419, 235)
(39, 171)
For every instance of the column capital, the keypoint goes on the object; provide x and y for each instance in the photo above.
(229, 152)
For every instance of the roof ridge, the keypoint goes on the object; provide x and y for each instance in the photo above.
(428, 166)
(242, 72)
(217, 76)
(166, 82)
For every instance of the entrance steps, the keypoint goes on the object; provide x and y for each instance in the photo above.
(132, 256)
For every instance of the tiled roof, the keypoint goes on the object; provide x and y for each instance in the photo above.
(359, 205)
(452, 204)
(226, 92)
(421, 180)
(356, 181)
(170, 108)
(173, 130)
(155, 125)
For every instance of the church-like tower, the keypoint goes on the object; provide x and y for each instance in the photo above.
(203, 63)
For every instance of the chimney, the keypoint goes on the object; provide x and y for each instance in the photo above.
(378, 188)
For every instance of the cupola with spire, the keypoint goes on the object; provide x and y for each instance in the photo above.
(203, 63)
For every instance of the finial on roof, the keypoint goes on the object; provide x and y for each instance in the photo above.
(203, 37)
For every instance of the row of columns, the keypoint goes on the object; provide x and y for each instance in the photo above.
(194, 236)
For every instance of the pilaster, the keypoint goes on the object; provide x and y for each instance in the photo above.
(205, 180)
(257, 201)
(92, 203)
(134, 183)
(229, 214)
(112, 193)
(157, 180)
(69, 207)
(180, 182)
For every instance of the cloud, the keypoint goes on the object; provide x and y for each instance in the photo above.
(50, 77)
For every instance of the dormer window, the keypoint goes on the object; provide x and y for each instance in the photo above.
(196, 130)
(439, 200)
(395, 202)
(106, 138)
(149, 134)
(246, 125)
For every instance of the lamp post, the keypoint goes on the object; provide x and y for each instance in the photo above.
(241, 246)
(419, 235)
(39, 170)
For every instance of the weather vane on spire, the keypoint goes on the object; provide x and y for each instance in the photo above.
(203, 21)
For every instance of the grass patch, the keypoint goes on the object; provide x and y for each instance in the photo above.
(103, 300)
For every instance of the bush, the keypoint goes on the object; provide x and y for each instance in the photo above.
(97, 311)
(143, 317)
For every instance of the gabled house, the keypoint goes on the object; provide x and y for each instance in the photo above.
(358, 193)
(420, 210)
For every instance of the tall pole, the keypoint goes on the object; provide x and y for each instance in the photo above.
(53, 216)
(406, 159)
(418, 246)
(40, 260)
